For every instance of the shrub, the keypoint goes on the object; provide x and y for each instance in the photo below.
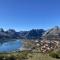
(54, 55)
(12, 57)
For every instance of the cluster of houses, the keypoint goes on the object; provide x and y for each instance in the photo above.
(50, 41)
(46, 45)
(42, 45)
(49, 45)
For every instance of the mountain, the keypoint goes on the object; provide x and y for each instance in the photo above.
(35, 34)
(12, 34)
(52, 34)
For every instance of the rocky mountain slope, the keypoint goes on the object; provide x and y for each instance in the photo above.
(52, 34)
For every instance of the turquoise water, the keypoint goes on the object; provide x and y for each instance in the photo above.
(11, 46)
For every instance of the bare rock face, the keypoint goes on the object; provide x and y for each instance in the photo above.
(52, 34)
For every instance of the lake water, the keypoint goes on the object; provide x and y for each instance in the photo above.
(11, 46)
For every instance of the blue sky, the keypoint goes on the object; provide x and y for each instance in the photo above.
(29, 14)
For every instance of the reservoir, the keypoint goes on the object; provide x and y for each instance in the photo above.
(11, 46)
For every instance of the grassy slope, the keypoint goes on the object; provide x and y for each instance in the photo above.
(31, 56)
(15, 55)
(39, 56)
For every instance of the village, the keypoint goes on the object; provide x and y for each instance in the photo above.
(50, 41)
(46, 45)
(42, 46)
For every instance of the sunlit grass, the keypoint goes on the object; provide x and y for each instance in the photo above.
(14, 56)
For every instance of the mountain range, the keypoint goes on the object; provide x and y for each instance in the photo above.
(50, 34)
(12, 34)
